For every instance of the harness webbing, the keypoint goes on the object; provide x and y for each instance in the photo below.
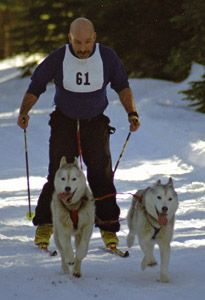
(79, 144)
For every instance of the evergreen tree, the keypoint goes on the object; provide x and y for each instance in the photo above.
(191, 49)
(7, 12)
(196, 94)
(41, 25)
(141, 33)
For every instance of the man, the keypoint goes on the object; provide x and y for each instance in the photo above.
(81, 71)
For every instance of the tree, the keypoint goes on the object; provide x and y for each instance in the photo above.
(141, 33)
(6, 23)
(192, 48)
(196, 94)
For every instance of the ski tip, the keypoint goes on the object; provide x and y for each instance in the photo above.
(126, 254)
(47, 250)
(54, 253)
(115, 251)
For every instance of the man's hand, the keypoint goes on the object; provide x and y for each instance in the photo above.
(134, 121)
(23, 121)
(28, 102)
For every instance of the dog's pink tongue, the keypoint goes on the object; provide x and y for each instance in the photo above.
(162, 219)
(63, 196)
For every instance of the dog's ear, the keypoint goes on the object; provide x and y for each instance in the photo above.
(63, 161)
(170, 182)
(76, 162)
(158, 182)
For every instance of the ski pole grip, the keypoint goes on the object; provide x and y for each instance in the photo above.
(133, 117)
(23, 120)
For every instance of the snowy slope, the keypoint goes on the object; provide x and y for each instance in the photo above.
(170, 142)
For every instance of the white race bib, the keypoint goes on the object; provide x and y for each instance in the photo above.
(83, 75)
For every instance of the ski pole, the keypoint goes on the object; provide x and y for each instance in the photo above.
(122, 152)
(29, 214)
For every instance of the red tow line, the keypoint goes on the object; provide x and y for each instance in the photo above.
(114, 194)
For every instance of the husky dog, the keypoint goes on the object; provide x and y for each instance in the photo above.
(151, 217)
(73, 211)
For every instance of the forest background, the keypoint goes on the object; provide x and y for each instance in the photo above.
(154, 38)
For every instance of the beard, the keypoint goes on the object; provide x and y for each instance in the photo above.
(83, 54)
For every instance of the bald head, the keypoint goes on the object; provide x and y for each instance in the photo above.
(82, 36)
(81, 24)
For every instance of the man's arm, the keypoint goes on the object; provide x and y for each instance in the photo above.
(127, 100)
(28, 102)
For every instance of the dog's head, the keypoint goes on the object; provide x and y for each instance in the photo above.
(161, 201)
(70, 182)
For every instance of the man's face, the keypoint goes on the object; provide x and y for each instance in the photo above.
(82, 42)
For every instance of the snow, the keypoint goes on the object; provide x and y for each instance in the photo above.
(170, 142)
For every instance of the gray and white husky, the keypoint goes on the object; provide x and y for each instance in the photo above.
(73, 212)
(151, 217)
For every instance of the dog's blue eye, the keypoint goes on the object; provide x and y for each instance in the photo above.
(63, 178)
(170, 199)
(73, 179)
(159, 197)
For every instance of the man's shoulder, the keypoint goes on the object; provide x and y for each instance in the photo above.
(55, 57)
(104, 50)
(58, 52)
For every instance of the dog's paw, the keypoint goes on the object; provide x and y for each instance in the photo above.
(152, 264)
(163, 278)
(65, 269)
(148, 262)
(71, 263)
(77, 274)
(70, 260)
(77, 269)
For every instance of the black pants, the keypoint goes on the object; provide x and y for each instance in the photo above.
(95, 145)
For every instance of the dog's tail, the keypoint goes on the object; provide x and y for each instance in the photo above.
(130, 239)
(131, 220)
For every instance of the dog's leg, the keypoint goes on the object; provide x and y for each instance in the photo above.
(147, 247)
(165, 255)
(77, 265)
(65, 248)
(77, 268)
(81, 243)
(152, 261)
(64, 265)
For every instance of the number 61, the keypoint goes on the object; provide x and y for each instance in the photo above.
(82, 78)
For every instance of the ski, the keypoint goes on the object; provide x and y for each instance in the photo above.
(47, 250)
(115, 251)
